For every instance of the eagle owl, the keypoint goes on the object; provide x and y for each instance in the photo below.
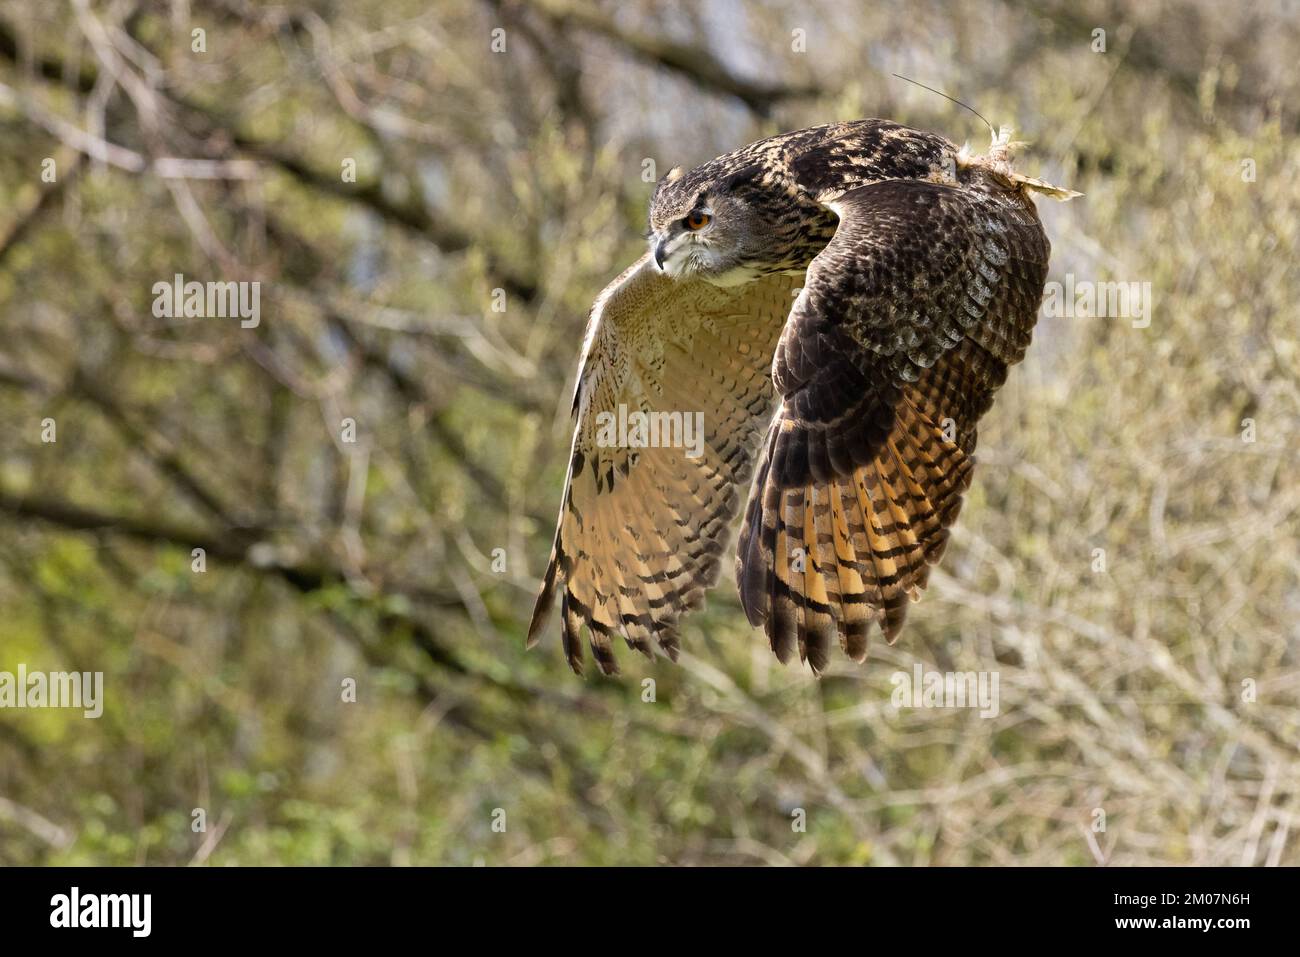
(836, 306)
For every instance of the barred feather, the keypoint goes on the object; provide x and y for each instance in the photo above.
(903, 332)
(642, 531)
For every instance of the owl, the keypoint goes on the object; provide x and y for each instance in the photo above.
(824, 315)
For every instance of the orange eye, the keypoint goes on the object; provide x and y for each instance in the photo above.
(697, 220)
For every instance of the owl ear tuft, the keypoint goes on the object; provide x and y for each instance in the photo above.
(672, 176)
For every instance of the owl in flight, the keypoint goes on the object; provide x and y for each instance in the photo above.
(837, 307)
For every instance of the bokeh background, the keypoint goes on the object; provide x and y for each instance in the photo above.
(1149, 690)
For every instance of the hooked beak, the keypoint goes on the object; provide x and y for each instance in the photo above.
(661, 246)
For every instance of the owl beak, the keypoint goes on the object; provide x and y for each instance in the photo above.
(661, 246)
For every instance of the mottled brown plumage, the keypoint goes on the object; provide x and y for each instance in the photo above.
(856, 290)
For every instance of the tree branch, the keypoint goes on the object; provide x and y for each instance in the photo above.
(696, 63)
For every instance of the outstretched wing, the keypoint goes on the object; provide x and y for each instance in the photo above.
(642, 529)
(904, 330)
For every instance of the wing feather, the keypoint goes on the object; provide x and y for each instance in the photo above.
(905, 328)
(642, 530)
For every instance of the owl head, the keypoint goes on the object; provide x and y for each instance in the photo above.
(710, 223)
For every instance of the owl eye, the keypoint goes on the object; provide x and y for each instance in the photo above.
(697, 219)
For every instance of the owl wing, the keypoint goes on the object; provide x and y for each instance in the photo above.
(907, 323)
(642, 529)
